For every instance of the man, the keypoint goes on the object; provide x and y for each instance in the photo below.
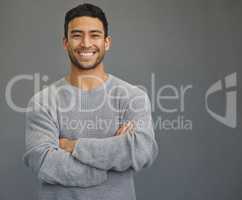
(87, 133)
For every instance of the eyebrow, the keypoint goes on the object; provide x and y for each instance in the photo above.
(80, 31)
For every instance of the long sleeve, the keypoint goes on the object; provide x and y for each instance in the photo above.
(43, 155)
(136, 150)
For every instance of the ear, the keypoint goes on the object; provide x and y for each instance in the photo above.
(108, 42)
(65, 42)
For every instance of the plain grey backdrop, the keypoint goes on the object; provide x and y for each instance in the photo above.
(181, 42)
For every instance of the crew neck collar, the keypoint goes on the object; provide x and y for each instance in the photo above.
(100, 87)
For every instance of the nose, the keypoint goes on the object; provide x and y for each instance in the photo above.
(86, 42)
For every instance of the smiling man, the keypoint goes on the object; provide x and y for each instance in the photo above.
(90, 33)
(76, 160)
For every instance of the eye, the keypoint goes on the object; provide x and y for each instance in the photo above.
(76, 36)
(95, 36)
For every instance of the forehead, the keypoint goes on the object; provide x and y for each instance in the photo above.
(85, 24)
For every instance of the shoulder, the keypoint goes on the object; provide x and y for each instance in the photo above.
(123, 87)
(130, 96)
(46, 96)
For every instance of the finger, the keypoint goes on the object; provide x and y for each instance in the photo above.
(120, 130)
(126, 127)
(131, 127)
(132, 130)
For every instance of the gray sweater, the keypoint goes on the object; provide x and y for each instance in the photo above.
(102, 165)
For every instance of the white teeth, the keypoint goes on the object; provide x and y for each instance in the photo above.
(86, 54)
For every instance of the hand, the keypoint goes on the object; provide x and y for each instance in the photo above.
(128, 127)
(67, 144)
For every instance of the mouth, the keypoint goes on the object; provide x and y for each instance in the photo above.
(86, 54)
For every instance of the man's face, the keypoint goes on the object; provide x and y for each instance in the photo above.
(86, 44)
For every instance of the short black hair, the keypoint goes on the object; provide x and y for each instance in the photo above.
(89, 10)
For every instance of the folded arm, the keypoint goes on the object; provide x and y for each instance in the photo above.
(51, 163)
(136, 150)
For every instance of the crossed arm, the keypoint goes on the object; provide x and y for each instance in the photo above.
(47, 160)
(86, 161)
(68, 145)
(123, 151)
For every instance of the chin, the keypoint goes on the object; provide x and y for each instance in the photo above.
(86, 67)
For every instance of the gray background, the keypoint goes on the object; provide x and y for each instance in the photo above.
(185, 42)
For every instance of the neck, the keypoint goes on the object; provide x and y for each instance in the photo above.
(87, 79)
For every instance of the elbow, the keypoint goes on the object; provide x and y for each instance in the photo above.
(145, 157)
(154, 152)
(34, 159)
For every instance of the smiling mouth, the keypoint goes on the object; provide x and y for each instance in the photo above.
(86, 54)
